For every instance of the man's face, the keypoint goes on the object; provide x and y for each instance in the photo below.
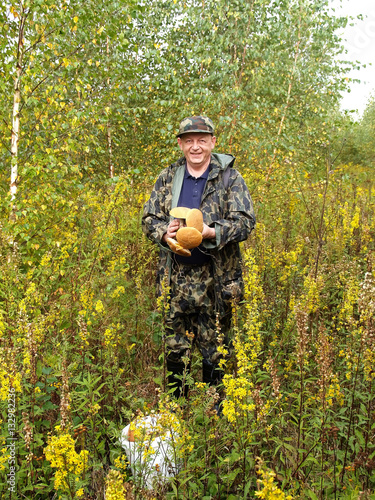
(197, 149)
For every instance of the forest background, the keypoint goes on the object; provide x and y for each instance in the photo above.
(91, 96)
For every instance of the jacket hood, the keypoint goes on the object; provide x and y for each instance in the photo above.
(224, 160)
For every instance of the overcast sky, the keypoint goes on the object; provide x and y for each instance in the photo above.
(360, 43)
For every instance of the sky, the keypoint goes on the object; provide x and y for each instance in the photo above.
(360, 44)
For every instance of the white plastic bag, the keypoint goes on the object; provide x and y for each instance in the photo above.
(151, 450)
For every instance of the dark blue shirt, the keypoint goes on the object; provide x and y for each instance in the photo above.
(190, 197)
(192, 189)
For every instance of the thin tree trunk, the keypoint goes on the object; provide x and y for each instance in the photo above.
(109, 136)
(16, 108)
(286, 107)
(109, 140)
(238, 76)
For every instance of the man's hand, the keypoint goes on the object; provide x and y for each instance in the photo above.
(173, 227)
(208, 233)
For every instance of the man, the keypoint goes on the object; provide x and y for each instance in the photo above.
(204, 285)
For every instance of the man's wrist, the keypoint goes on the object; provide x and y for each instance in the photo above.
(212, 233)
(208, 233)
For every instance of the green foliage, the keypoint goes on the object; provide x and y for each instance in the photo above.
(358, 138)
(104, 85)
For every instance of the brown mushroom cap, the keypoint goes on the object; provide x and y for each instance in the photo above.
(194, 218)
(177, 248)
(189, 237)
(179, 212)
(131, 438)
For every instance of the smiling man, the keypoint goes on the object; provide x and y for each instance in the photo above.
(204, 285)
(197, 149)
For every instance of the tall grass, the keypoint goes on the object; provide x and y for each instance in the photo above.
(82, 349)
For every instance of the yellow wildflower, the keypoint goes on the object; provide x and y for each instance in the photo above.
(61, 452)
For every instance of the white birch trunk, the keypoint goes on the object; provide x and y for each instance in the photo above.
(111, 167)
(16, 108)
(109, 140)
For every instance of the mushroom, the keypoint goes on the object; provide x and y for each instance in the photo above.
(177, 248)
(189, 237)
(194, 218)
(190, 233)
(179, 213)
(131, 437)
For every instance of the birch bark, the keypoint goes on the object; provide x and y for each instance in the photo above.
(109, 136)
(16, 107)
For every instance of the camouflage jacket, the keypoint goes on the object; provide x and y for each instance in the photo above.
(228, 208)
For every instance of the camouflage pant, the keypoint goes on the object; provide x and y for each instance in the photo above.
(192, 318)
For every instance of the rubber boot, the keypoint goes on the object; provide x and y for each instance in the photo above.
(175, 378)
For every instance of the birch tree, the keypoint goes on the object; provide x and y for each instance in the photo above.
(22, 17)
(266, 70)
(61, 72)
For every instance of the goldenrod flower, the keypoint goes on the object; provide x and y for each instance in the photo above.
(69, 464)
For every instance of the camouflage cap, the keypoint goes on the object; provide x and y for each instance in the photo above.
(200, 124)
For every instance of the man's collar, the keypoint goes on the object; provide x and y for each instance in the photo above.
(187, 175)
